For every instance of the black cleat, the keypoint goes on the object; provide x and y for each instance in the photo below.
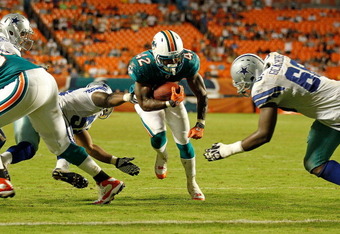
(72, 178)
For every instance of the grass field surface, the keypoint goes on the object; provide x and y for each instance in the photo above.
(263, 191)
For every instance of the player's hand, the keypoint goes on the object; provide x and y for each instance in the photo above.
(197, 131)
(219, 150)
(214, 153)
(126, 166)
(177, 98)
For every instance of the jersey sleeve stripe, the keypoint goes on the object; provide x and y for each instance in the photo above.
(266, 96)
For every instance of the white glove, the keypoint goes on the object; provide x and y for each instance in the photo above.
(219, 151)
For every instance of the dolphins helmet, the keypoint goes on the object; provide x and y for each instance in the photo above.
(167, 49)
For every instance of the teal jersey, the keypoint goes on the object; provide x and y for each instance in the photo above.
(11, 66)
(143, 69)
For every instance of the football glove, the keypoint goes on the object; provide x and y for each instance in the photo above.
(126, 166)
(197, 131)
(219, 151)
(176, 98)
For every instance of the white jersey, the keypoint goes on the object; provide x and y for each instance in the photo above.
(294, 88)
(78, 108)
(7, 47)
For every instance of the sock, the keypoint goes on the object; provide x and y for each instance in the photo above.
(161, 152)
(190, 169)
(101, 176)
(62, 164)
(90, 167)
(3, 171)
(331, 172)
(6, 158)
(113, 160)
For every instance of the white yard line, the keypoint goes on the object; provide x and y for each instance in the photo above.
(237, 221)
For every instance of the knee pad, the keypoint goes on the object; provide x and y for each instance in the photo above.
(22, 151)
(158, 140)
(186, 151)
(74, 154)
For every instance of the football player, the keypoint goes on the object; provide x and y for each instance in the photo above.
(29, 90)
(80, 108)
(280, 82)
(169, 61)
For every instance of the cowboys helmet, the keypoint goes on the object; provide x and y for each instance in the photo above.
(17, 30)
(244, 71)
(167, 49)
(105, 112)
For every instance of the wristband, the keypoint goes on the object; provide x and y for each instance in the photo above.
(236, 147)
(199, 125)
(202, 121)
(170, 103)
(127, 97)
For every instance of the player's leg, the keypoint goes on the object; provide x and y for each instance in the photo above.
(47, 120)
(322, 142)
(27, 140)
(178, 120)
(14, 103)
(154, 123)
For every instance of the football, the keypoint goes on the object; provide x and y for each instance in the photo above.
(163, 92)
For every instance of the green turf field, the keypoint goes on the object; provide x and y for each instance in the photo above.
(263, 191)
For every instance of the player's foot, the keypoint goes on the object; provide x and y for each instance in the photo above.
(6, 188)
(72, 178)
(195, 192)
(161, 167)
(108, 189)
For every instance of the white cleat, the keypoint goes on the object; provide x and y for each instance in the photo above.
(195, 192)
(108, 189)
(161, 167)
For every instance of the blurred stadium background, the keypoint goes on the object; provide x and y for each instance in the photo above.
(83, 40)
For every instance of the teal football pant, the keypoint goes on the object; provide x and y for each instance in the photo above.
(155, 122)
(321, 143)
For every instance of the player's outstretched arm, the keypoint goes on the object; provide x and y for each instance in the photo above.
(105, 100)
(264, 133)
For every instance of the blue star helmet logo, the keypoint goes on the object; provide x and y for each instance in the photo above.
(15, 20)
(244, 70)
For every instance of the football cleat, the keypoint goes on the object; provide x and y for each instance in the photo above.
(126, 166)
(108, 189)
(72, 178)
(195, 192)
(6, 188)
(161, 167)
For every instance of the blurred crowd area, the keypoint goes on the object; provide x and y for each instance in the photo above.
(91, 38)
